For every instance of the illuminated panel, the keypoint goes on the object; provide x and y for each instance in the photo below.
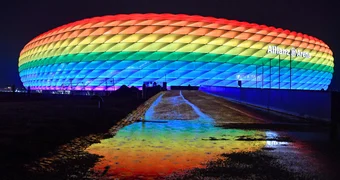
(102, 52)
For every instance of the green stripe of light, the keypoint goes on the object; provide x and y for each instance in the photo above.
(173, 56)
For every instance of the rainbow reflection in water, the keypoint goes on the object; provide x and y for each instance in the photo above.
(157, 149)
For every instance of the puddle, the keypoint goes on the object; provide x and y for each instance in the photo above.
(151, 148)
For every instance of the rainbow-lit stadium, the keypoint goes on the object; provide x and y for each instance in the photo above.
(103, 53)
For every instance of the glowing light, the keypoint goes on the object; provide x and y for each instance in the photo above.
(157, 147)
(195, 50)
(153, 149)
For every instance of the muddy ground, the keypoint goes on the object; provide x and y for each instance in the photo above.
(46, 137)
(36, 126)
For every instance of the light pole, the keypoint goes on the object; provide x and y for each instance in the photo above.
(262, 73)
(279, 72)
(290, 70)
(270, 73)
(256, 75)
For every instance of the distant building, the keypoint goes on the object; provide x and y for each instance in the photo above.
(102, 53)
(6, 89)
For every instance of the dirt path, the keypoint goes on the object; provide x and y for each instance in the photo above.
(219, 109)
(172, 106)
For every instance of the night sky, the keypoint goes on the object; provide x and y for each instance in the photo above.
(23, 20)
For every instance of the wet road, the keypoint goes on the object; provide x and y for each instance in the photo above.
(182, 137)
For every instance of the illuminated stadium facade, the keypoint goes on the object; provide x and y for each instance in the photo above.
(102, 52)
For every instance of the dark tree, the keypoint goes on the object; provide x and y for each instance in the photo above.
(13, 88)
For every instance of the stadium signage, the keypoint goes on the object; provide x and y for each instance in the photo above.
(293, 52)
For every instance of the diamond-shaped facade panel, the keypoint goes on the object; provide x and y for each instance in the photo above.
(103, 52)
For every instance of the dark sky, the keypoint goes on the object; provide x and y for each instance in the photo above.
(22, 20)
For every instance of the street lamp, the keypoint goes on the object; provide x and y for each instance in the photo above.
(279, 72)
(290, 70)
(270, 73)
(256, 75)
(262, 73)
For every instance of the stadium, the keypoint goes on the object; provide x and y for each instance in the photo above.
(103, 53)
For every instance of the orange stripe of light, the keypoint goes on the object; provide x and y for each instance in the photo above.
(88, 23)
(163, 17)
(167, 30)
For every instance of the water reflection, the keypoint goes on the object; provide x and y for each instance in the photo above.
(153, 149)
(272, 143)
